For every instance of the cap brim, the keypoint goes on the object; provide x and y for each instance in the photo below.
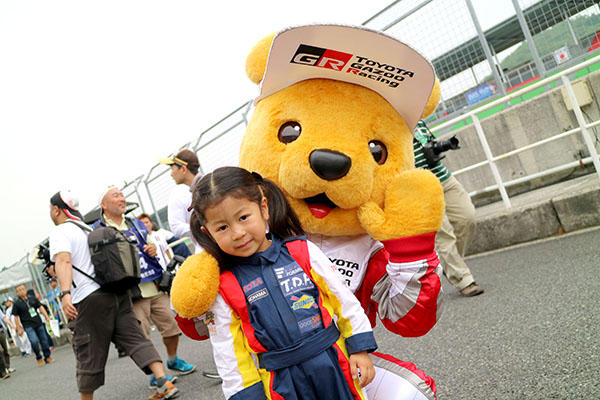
(166, 161)
(73, 214)
(355, 55)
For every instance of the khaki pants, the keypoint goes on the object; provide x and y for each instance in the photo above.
(156, 309)
(456, 233)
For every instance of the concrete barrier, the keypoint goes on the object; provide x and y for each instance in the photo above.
(552, 210)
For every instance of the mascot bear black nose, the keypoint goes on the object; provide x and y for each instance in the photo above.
(329, 165)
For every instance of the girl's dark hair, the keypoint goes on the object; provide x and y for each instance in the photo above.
(212, 188)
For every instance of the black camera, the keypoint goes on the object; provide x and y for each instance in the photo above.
(43, 254)
(166, 280)
(432, 150)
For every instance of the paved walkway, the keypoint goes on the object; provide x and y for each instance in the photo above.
(533, 334)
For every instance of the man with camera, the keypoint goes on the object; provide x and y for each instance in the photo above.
(458, 224)
(96, 316)
(150, 304)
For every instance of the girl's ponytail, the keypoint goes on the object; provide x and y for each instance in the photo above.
(283, 220)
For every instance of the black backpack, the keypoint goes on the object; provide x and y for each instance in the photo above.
(114, 256)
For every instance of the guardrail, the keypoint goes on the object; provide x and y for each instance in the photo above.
(492, 159)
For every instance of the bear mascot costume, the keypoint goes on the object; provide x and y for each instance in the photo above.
(332, 127)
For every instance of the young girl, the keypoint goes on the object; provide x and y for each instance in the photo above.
(283, 325)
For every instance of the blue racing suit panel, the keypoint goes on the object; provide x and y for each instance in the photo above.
(361, 342)
(304, 350)
(254, 392)
(284, 334)
(281, 298)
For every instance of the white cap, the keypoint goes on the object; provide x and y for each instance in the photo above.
(355, 55)
(70, 199)
(67, 201)
(103, 192)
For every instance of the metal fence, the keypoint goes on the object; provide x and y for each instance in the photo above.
(475, 65)
(491, 161)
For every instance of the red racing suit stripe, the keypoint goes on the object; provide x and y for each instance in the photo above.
(233, 295)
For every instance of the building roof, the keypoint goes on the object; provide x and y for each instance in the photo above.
(539, 17)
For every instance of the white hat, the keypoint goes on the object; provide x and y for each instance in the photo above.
(103, 192)
(68, 202)
(351, 54)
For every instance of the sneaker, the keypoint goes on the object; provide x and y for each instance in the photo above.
(471, 290)
(11, 370)
(166, 391)
(4, 376)
(152, 384)
(49, 360)
(210, 375)
(40, 362)
(181, 366)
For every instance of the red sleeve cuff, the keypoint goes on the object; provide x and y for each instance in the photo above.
(188, 327)
(412, 248)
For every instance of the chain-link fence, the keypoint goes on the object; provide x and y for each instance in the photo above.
(216, 146)
(475, 64)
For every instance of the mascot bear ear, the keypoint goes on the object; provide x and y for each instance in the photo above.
(256, 62)
(434, 99)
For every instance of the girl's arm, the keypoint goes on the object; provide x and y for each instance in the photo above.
(236, 366)
(352, 321)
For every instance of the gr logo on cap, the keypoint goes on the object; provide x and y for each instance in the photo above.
(355, 55)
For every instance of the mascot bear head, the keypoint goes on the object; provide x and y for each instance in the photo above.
(333, 123)
(333, 128)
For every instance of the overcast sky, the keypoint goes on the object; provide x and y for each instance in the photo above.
(93, 93)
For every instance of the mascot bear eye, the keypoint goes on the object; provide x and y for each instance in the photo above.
(378, 151)
(289, 132)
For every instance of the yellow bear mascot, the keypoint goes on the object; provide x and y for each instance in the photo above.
(333, 128)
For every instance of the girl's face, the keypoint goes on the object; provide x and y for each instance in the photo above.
(238, 225)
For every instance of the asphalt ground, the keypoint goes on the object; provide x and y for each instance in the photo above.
(533, 334)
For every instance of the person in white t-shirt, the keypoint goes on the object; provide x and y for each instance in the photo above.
(184, 169)
(95, 316)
